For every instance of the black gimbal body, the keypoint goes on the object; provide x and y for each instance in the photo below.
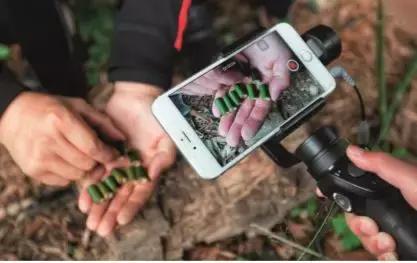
(324, 153)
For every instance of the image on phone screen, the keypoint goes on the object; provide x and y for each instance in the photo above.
(244, 99)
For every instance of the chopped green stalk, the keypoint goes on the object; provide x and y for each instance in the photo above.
(264, 91)
(133, 155)
(95, 193)
(240, 90)
(104, 190)
(235, 97)
(251, 90)
(221, 106)
(119, 175)
(229, 103)
(141, 173)
(130, 171)
(111, 183)
(4, 52)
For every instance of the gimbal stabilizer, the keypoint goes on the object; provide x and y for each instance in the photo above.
(324, 153)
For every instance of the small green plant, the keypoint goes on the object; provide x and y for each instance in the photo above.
(96, 22)
(389, 108)
(4, 52)
(309, 208)
(341, 229)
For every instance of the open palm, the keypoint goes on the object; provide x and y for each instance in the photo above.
(130, 108)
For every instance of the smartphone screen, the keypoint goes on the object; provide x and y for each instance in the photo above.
(236, 104)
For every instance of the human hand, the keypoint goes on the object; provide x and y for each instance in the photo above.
(397, 173)
(50, 137)
(130, 108)
(270, 57)
(211, 82)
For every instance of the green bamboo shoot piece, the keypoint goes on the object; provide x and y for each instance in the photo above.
(130, 171)
(141, 174)
(229, 103)
(133, 155)
(221, 106)
(264, 92)
(111, 183)
(239, 89)
(104, 190)
(251, 89)
(120, 175)
(234, 96)
(95, 193)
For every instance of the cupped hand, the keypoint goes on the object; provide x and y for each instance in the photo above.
(400, 174)
(270, 57)
(130, 108)
(51, 138)
(211, 82)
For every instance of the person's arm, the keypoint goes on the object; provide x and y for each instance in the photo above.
(10, 88)
(147, 36)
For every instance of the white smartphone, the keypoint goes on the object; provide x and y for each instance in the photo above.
(278, 58)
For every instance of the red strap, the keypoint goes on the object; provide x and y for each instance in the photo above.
(182, 23)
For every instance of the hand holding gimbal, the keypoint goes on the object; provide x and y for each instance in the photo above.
(324, 153)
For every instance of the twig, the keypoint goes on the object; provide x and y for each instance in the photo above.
(290, 243)
(380, 62)
(320, 229)
(399, 92)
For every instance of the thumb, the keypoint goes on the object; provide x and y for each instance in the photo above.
(400, 174)
(163, 159)
(159, 163)
(280, 79)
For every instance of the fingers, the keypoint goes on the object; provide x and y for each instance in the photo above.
(216, 112)
(225, 124)
(361, 225)
(196, 90)
(256, 118)
(390, 256)
(96, 213)
(53, 180)
(396, 172)
(234, 134)
(78, 133)
(280, 79)
(73, 156)
(377, 243)
(319, 193)
(164, 158)
(100, 120)
(60, 167)
(208, 84)
(109, 219)
(136, 201)
(84, 201)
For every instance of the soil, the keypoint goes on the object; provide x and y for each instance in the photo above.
(195, 219)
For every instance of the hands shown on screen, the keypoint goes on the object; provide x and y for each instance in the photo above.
(269, 56)
(400, 174)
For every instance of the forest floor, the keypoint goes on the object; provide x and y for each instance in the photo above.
(38, 222)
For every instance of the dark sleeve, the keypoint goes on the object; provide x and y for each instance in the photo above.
(147, 35)
(9, 88)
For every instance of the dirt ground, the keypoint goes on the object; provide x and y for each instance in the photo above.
(189, 218)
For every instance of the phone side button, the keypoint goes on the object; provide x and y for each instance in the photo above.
(306, 56)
